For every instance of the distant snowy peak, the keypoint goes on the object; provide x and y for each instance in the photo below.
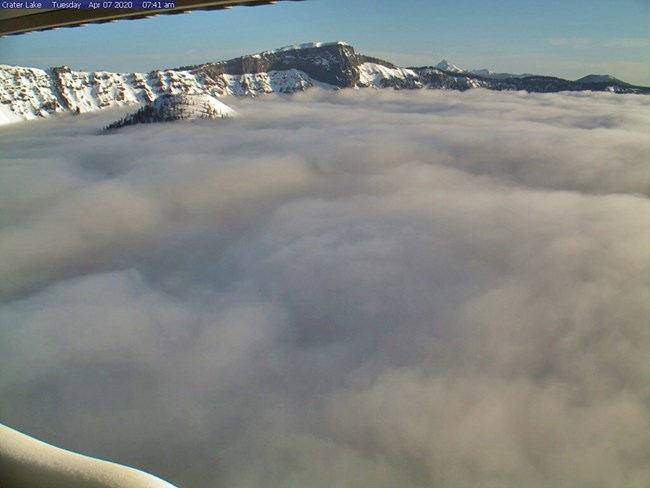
(444, 65)
(600, 79)
(486, 73)
(169, 108)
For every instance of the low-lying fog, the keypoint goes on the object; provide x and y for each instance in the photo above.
(336, 289)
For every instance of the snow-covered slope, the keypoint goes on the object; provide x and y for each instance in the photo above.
(26, 462)
(25, 93)
(168, 108)
(378, 76)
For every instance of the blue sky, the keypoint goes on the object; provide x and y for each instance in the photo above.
(567, 38)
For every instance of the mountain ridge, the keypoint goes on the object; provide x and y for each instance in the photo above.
(601, 79)
(31, 93)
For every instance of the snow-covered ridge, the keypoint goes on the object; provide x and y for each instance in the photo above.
(29, 463)
(307, 45)
(28, 93)
(486, 73)
(447, 67)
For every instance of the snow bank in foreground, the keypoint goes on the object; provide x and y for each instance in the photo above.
(26, 462)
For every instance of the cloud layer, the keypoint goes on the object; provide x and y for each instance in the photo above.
(336, 289)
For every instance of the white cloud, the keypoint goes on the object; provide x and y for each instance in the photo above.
(353, 288)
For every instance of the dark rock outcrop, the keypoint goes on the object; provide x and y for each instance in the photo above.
(332, 63)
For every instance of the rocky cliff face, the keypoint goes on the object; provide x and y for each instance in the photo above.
(335, 64)
(27, 93)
